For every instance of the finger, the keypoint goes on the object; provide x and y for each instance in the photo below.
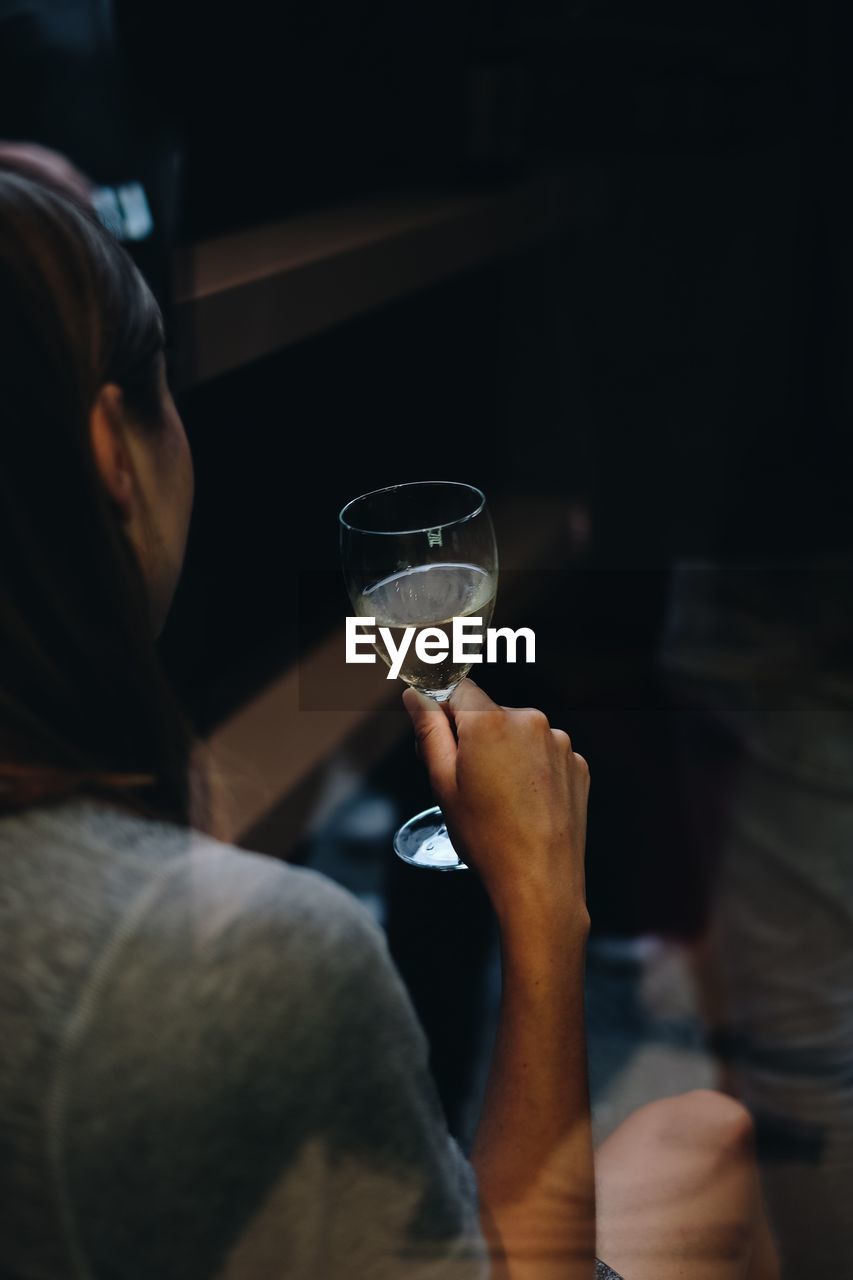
(436, 744)
(467, 699)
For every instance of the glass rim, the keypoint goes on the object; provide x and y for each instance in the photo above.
(413, 484)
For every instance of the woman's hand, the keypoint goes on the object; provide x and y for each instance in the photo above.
(513, 794)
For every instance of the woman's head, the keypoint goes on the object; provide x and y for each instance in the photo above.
(95, 497)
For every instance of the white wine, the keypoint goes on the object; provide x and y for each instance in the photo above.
(430, 595)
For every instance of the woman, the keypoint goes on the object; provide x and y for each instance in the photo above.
(210, 1068)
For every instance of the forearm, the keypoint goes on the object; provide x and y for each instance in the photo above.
(533, 1148)
(514, 794)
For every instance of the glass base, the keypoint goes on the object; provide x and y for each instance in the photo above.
(423, 841)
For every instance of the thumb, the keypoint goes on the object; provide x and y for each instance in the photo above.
(436, 740)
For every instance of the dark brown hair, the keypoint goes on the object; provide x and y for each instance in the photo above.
(84, 706)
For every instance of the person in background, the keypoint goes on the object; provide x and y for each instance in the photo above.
(210, 1066)
(83, 108)
(712, 320)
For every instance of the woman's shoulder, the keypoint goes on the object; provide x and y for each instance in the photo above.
(224, 891)
(215, 942)
(94, 843)
(132, 899)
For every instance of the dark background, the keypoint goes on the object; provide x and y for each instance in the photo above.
(677, 362)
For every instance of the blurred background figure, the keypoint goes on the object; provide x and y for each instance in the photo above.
(78, 108)
(714, 327)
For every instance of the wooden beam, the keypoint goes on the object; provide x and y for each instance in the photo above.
(247, 294)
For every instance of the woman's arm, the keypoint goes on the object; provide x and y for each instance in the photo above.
(514, 795)
(533, 1149)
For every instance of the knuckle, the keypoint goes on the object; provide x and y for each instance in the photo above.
(535, 720)
(488, 723)
(492, 720)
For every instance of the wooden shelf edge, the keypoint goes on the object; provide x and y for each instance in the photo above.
(246, 295)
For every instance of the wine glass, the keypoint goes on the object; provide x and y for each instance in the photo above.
(420, 555)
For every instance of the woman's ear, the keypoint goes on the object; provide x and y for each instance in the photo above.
(109, 448)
